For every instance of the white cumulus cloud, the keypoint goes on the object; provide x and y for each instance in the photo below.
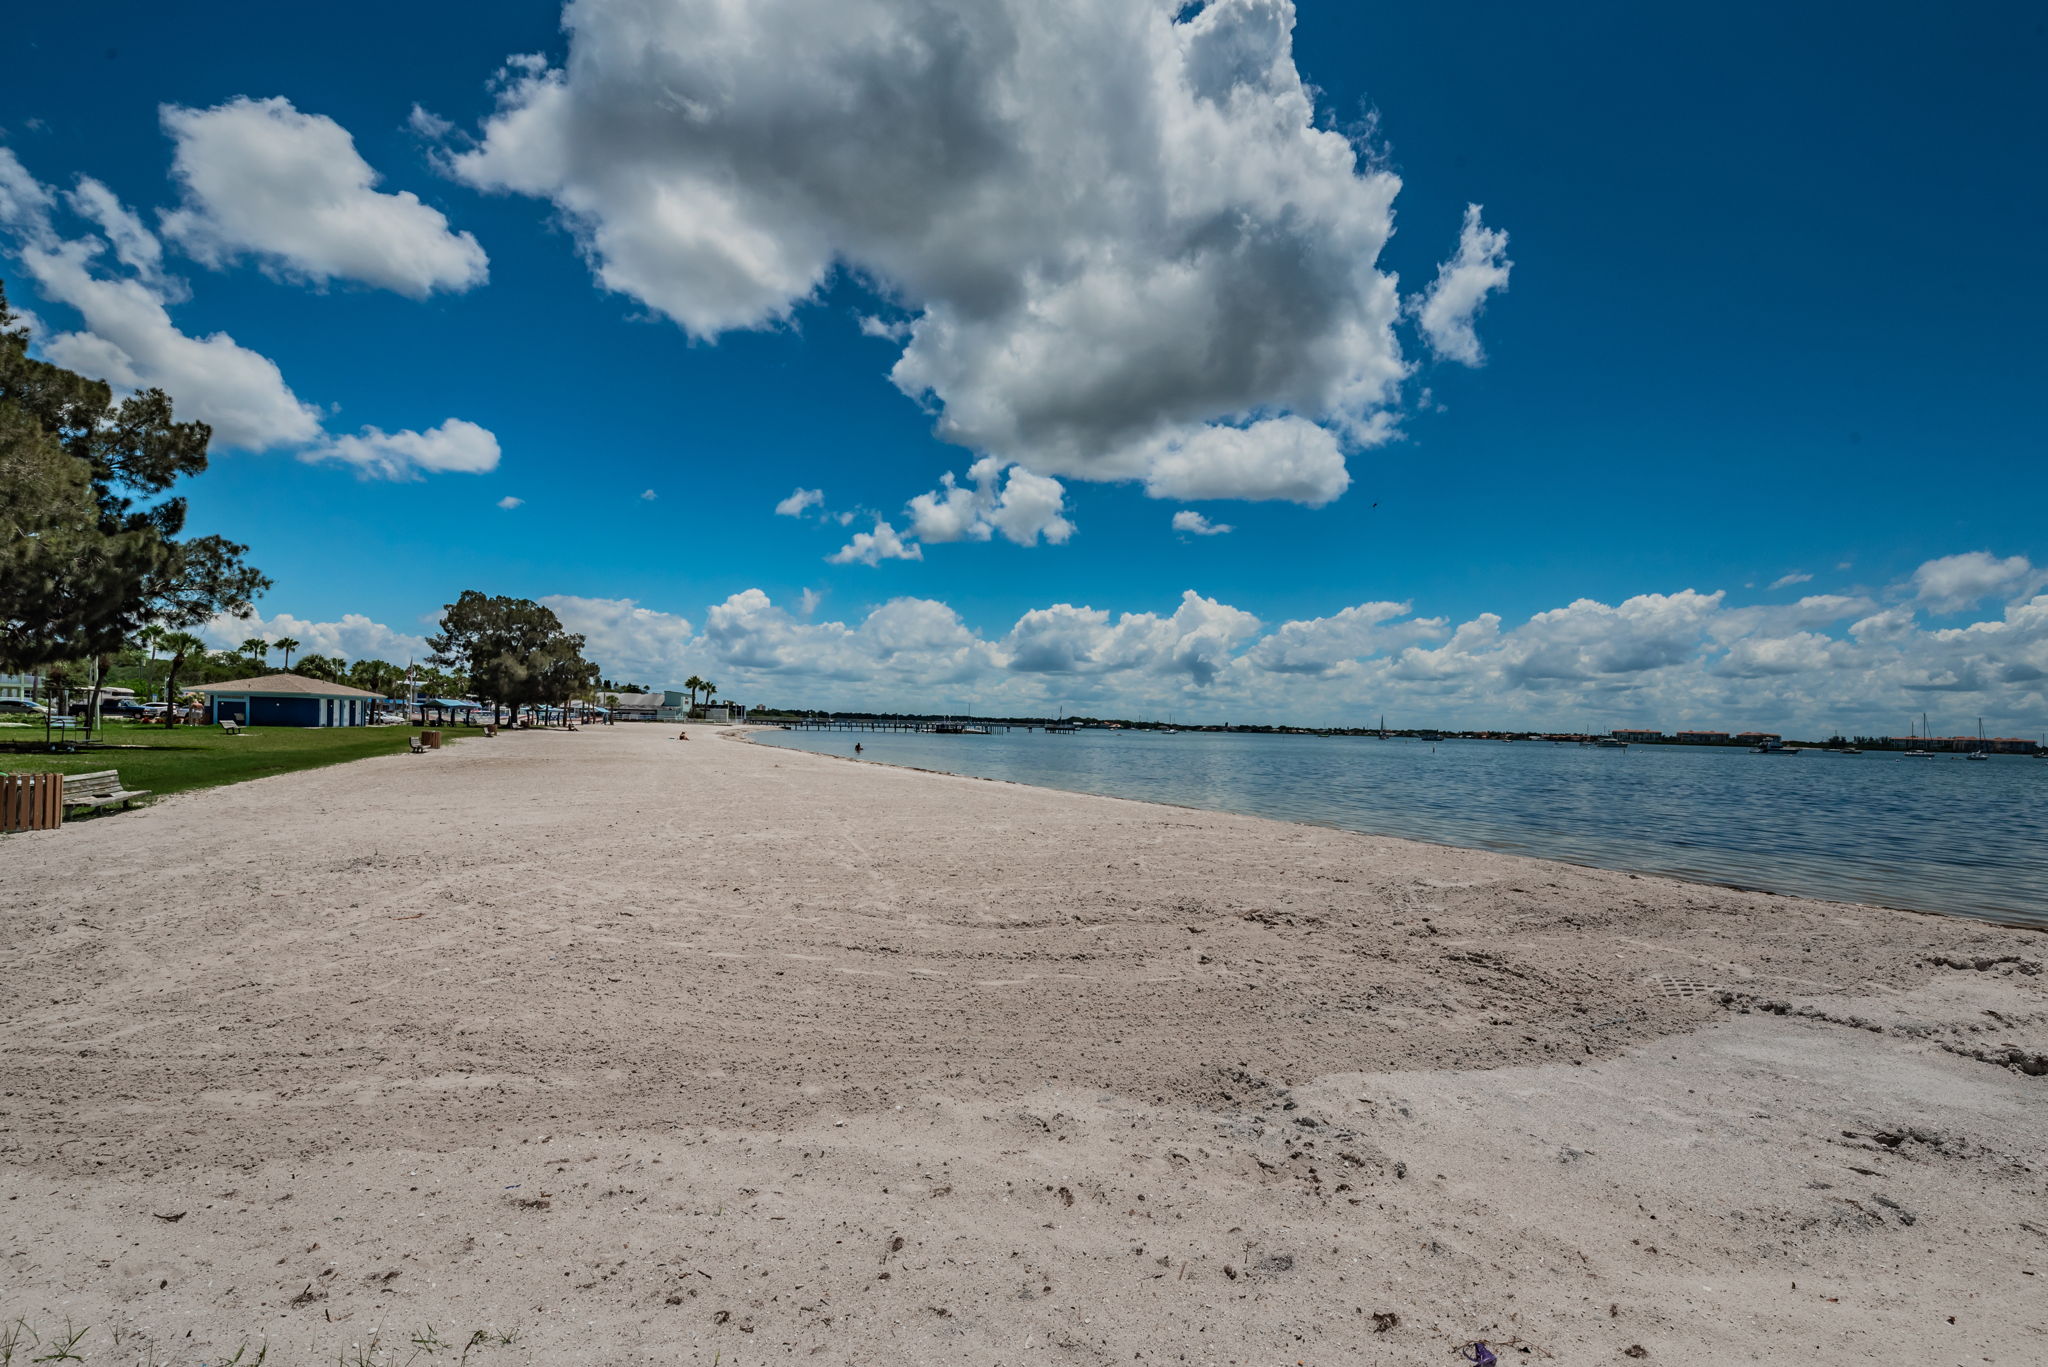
(135, 246)
(1450, 308)
(797, 502)
(1663, 660)
(1193, 523)
(1955, 582)
(629, 641)
(1786, 581)
(872, 548)
(262, 179)
(129, 340)
(1018, 504)
(509, 502)
(1278, 458)
(353, 637)
(455, 446)
(1123, 239)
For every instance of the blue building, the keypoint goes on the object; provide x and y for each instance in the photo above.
(287, 700)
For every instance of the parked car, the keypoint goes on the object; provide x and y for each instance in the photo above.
(113, 707)
(21, 707)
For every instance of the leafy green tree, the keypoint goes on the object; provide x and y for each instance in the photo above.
(88, 544)
(514, 651)
(178, 647)
(375, 675)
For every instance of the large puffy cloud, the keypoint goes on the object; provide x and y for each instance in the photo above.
(1321, 644)
(1278, 458)
(129, 340)
(1020, 505)
(872, 548)
(261, 178)
(1122, 242)
(454, 447)
(353, 637)
(630, 641)
(1196, 641)
(1590, 640)
(1955, 582)
(1663, 660)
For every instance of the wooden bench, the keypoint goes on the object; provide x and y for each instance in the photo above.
(102, 789)
(231, 726)
(418, 743)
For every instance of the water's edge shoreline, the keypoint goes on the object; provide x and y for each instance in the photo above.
(749, 733)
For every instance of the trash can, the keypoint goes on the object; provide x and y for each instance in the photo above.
(431, 739)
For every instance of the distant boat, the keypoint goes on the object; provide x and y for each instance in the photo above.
(1772, 747)
(957, 728)
(1431, 736)
(1919, 751)
(1979, 752)
(1609, 743)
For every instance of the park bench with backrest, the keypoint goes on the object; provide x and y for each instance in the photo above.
(102, 789)
(231, 726)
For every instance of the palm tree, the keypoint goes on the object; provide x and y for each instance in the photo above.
(150, 636)
(710, 691)
(257, 649)
(177, 646)
(693, 683)
(287, 645)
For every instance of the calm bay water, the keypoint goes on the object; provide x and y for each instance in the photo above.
(1932, 834)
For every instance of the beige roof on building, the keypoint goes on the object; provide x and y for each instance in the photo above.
(287, 683)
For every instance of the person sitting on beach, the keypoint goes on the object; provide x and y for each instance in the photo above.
(682, 735)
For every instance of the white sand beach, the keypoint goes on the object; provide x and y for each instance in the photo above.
(632, 1051)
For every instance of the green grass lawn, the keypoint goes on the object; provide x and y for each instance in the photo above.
(181, 758)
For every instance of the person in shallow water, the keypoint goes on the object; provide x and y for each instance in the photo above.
(856, 747)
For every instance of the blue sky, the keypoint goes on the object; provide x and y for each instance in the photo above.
(1772, 310)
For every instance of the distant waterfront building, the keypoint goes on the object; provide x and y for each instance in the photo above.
(1702, 738)
(1638, 737)
(1957, 745)
(636, 706)
(1757, 737)
(17, 686)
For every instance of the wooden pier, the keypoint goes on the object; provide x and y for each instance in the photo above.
(934, 726)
